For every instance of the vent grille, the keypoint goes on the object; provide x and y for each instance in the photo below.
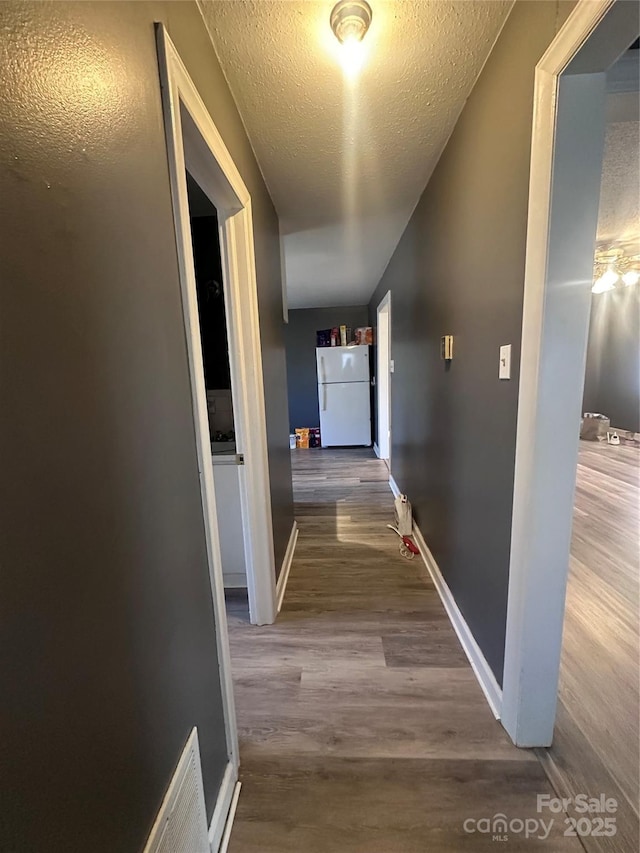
(181, 825)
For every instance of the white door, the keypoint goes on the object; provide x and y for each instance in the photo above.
(345, 414)
(343, 364)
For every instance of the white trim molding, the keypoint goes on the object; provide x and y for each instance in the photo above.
(283, 278)
(283, 577)
(194, 143)
(383, 379)
(482, 670)
(394, 486)
(376, 449)
(178, 93)
(226, 838)
(224, 811)
(564, 185)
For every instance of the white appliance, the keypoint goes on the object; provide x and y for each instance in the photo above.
(344, 395)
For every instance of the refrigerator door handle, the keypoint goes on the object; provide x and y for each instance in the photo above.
(324, 398)
(323, 375)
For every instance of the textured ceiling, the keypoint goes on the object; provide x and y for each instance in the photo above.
(619, 212)
(346, 161)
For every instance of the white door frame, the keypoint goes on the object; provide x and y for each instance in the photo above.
(564, 187)
(194, 142)
(383, 380)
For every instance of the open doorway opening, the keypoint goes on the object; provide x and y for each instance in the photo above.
(197, 155)
(566, 170)
(222, 328)
(596, 744)
(225, 455)
(383, 374)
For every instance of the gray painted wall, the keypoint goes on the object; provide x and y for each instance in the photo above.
(612, 381)
(107, 631)
(459, 269)
(300, 340)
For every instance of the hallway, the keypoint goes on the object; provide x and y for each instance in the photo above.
(362, 726)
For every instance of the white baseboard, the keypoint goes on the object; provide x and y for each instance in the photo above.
(224, 811)
(283, 577)
(482, 670)
(226, 838)
(394, 487)
(376, 450)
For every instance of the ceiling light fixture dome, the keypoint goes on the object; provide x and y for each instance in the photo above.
(612, 265)
(350, 20)
(607, 281)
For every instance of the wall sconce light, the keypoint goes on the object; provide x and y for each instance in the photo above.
(612, 266)
(350, 20)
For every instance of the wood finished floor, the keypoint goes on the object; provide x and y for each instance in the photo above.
(596, 743)
(362, 727)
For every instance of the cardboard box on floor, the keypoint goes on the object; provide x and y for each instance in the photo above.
(302, 438)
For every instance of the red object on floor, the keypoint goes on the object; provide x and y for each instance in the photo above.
(410, 545)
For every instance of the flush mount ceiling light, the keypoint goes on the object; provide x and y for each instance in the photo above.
(350, 20)
(611, 266)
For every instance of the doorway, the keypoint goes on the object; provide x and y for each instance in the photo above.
(195, 148)
(226, 456)
(566, 166)
(383, 374)
(596, 744)
(198, 159)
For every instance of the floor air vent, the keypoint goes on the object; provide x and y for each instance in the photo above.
(181, 825)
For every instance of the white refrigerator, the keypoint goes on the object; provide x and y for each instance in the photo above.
(344, 395)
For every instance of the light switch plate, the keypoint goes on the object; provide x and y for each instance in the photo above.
(504, 371)
(446, 347)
